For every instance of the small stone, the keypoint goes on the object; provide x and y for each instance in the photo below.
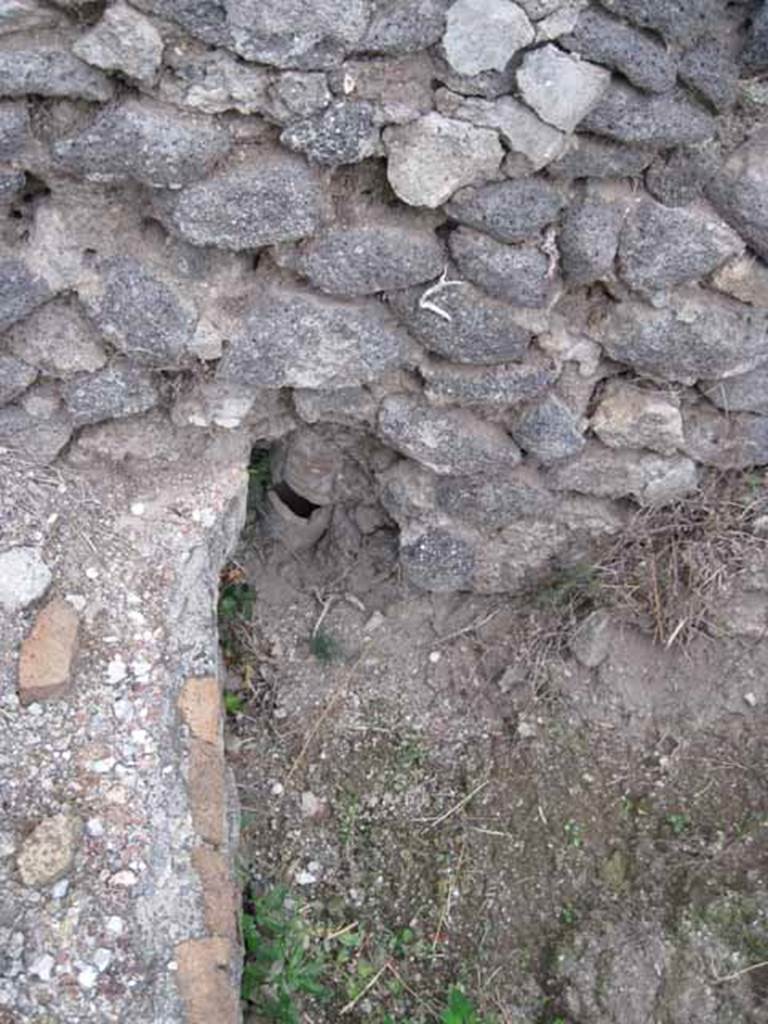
(509, 211)
(21, 292)
(59, 889)
(481, 35)
(708, 70)
(311, 805)
(24, 577)
(434, 657)
(739, 192)
(123, 40)
(51, 71)
(639, 57)
(58, 339)
(42, 967)
(627, 115)
(345, 132)
(296, 94)
(273, 197)
(143, 141)
(559, 87)
(115, 925)
(726, 441)
(404, 26)
(399, 89)
(102, 958)
(429, 159)
(48, 851)
(588, 157)
(215, 81)
(548, 430)
(88, 977)
(591, 643)
(526, 729)
(138, 508)
(610, 473)
(588, 241)
(750, 699)
(745, 278)
(48, 652)
(120, 389)
(745, 392)
(445, 440)
(437, 559)
(631, 417)
(662, 247)
(518, 274)
(124, 879)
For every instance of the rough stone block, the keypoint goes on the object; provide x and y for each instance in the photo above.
(588, 241)
(631, 417)
(205, 972)
(24, 577)
(548, 430)
(48, 653)
(39, 438)
(429, 159)
(438, 558)
(215, 81)
(587, 157)
(14, 129)
(58, 339)
(518, 274)
(559, 87)
(26, 15)
(21, 291)
(123, 40)
(617, 473)
(679, 21)
(708, 70)
(47, 853)
(345, 132)
(754, 56)
(274, 197)
(50, 70)
(505, 385)
(746, 392)
(678, 178)
(400, 89)
(494, 502)
(745, 278)
(592, 641)
(510, 211)
(484, 34)
(404, 26)
(740, 192)
(727, 441)
(120, 389)
(627, 115)
(15, 378)
(292, 94)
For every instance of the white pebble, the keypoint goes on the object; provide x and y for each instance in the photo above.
(123, 879)
(750, 699)
(60, 889)
(92, 572)
(116, 670)
(435, 656)
(102, 958)
(115, 925)
(76, 600)
(88, 977)
(138, 508)
(277, 789)
(94, 827)
(42, 967)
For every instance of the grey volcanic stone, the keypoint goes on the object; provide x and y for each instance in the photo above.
(120, 389)
(662, 247)
(373, 257)
(447, 441)
(495, 502)
(52, 71)
(38, 438)
(625, 114)
(23, 15)
(58, 339)
(588, 241)
(678, 178)
(518, 274)
(632, 417)
(640, 58)
(740, 192)
(488, 385)
(20, 291)
(293, 338)
(14, 129)
(143, 317)
(400, 88)
(746, 392)
(11, 183)
(710, 71)
(432, 157)
(679, 21)
(345, 132)
(694, 337)
(472, 327)
(295, 93)
(214, 81)
(617, 473)
(405, 26)
(754, 56)
(123, 40)
(15, 377)
(736, 440)
(144, 141)
(511, 211)
(561, 88)
(548, 430)
(597, 158)
(275, 197)
(482, 35)
(438, 558)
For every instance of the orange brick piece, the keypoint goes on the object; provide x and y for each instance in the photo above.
(205, 981)
(200, 706)
(48, 652)
(220, 896)
(207, 792)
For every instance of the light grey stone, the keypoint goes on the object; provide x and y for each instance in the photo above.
(345, 132)
(745, 278)
(505, 385)
(24, 577)
(52, 71)
(14, 129)
(26, 15)
(146, 142)
(754, 55)
(591, 642)
(293, 338)
(559, 87)
(20, 291)
(588, 241)
(518, 274)
(11, 184)
(530, 140)
(746, 392)
(463, 324)
(15, 378)
(709, 70)
(538, 9)
(645, 61)
(273, 197)
(58, 339)
(616, 473)
(734, 440)
(432, 157)
(123, 40)
(447, 441)
(404, 26)
(632, 417)
(400, 88)
(548, 430)
(662, 247)
(560, 22)
(141, 314)
(598, 158)
(740, 192)
(695, 336)
(510, 211)
(120, 389)
(38, 438)
(679, 21)
(481, 35)
(214, 81)
(496, 502)
(346, 406)
(372, 257)
(295, 94)
(625, 114)
(438, 558)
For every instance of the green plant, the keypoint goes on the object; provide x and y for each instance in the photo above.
(679, 823)
(259, 478)
(459, 1010)
(233, 703)
(282, 963)
(235, 601)
(324, 646)
(573, 833)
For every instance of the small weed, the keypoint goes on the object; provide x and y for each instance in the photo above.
(460, 1010)
(568, 915)
(325, 647)
(259, 479)
(573, 834)
(679, 823)
(233, 703)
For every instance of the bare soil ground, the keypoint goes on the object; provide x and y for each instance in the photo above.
(450, 798)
